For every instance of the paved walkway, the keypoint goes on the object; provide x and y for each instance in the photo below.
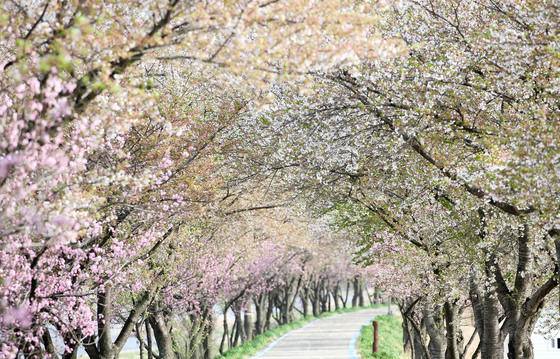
(327, 338)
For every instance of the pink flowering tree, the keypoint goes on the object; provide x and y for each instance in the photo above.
(82, 202)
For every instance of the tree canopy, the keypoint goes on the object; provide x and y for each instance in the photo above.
(159, 160)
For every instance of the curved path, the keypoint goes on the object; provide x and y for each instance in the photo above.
(327, 338)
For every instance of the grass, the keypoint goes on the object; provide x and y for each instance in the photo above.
(390, 339)
(261, 341)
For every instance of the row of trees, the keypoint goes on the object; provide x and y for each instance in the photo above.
(136, 137)
(118, 122)
(285, 281)
(443, 160)
(271, 275)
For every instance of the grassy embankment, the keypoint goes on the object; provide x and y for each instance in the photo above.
(261, 341)
(390, 339)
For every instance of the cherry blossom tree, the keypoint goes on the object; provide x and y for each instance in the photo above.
(91, 188)
(468, 111)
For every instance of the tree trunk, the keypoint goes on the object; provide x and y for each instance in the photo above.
(377, 295)
(486, 314)
(140, 339)
(239, 330)
(285, 303)
(438, 343)
(225, 335)
(315, 302)
(104, 313)
(248, 326)
(454, 336)
(417, 330)
(335, 292)
(408, 335)
(304, 297)
(269, 311)
(421, 350)
(149, 340)
(260, 302)
(520, 344)
(522, 304)
(49, 345)
(162, 334)
(293, 298)
(324, 297)
(103, 348)
(345, 299)
(356, 290)
(361, 301)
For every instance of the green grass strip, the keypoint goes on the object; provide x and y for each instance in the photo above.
(390, 338)
(261, 341)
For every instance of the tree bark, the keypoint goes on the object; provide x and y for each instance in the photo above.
(149, 348)
(438, 343)
(269, 310)
(335, 291)
(453, 332)
(486, 314)
(248, 326)
(225, 335)
(420, 350)
(355, 294)
(140, 339)
(521, 304)
(361, 301)
(304, 297)
(208, 329)
(260, 302)
(162, 335)
(49, 345)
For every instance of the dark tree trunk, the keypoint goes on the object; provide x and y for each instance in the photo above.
(304, 297)
(140, 339)
(408, 334)
(293, 298)
(104, 314)
(335, 292)
(162, 334)
(315, 300)
(361, 301)
(239, 330)
(419, 341)
(49, 345)
(344, 299)
(285, 303)
(324, 296)
(204, 333)
(355, 295)
(103, 348)
(260, 303)
(377, 296)
(225, 335)
(418, 330)
(149, 340)
(269, 311)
